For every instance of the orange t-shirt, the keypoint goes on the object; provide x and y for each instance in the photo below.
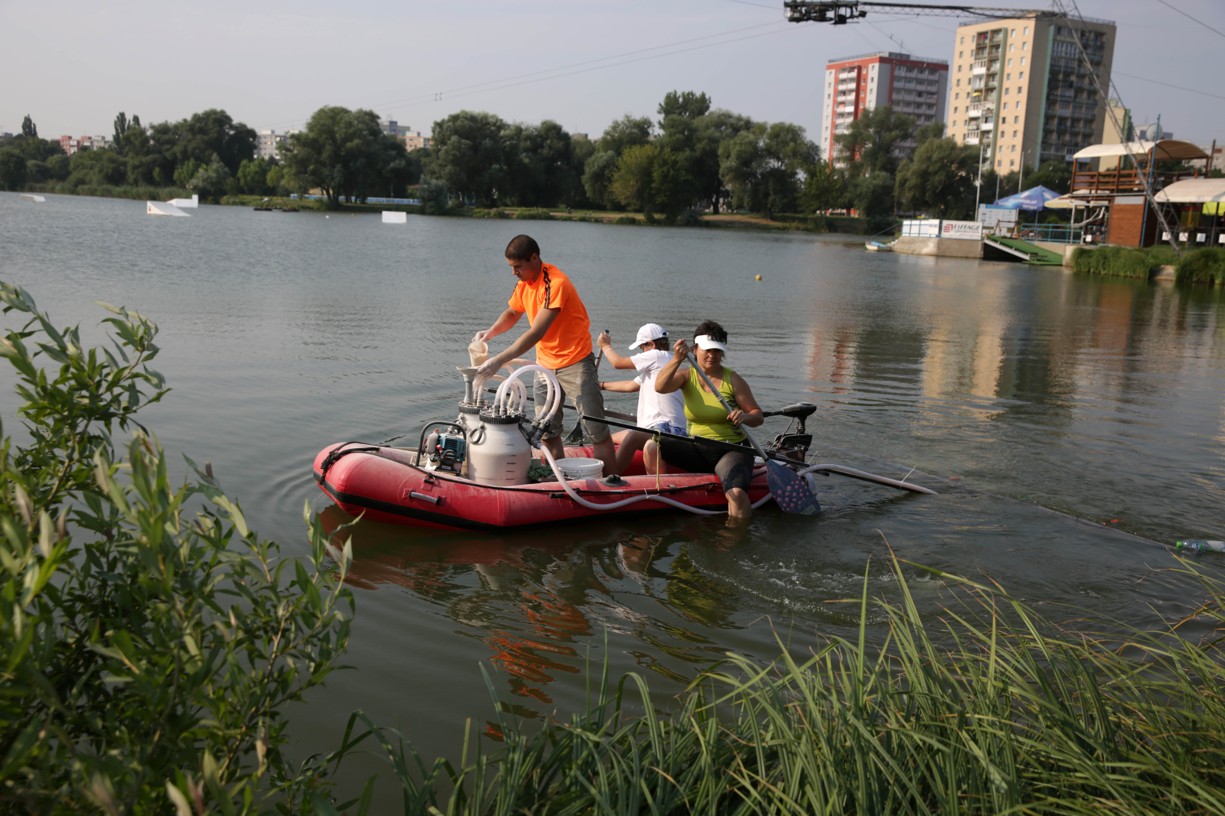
(568, 339)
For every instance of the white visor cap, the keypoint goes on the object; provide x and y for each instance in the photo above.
(706, 343)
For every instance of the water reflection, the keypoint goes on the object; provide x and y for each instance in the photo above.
(533, 598)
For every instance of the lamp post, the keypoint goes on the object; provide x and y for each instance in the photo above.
(978, 182)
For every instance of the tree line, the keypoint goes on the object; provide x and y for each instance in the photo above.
(693, 159)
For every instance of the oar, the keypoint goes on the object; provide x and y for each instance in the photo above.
(841, 470)
(790, 491)
(575, 436)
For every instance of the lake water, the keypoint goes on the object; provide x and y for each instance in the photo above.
(1074, 427)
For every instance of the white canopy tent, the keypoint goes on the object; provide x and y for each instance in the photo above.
(1193, 191)
(1162, 150)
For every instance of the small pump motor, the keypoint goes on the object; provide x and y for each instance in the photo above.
(445, 448)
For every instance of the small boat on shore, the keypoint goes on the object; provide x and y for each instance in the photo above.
(877, 246)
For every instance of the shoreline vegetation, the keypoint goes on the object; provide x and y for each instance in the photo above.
(133, 687)
(1195, 267)
(849, 224)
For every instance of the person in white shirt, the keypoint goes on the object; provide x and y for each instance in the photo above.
(656, 412)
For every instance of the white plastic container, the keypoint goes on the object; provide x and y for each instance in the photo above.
(497, 452)
(581, 467)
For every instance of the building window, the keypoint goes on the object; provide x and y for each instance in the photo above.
(1015, 119)
(1025, 31)
(1022, 62)
(1008, 76)
(1012, 32)
(1011, 46)
(1006, 90)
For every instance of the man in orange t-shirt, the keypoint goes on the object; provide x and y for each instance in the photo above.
(561, 332)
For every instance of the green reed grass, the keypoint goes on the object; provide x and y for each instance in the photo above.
(987, 709)
(1122, 262)
(1204, 266)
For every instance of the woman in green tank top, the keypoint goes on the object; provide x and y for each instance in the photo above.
(708, 419)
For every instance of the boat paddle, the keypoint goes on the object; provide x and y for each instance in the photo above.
(841, 470)
(790, 490)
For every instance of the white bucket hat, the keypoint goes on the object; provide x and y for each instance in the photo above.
(649, 332)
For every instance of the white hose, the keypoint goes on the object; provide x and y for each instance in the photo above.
(505, 402)
(590, 505)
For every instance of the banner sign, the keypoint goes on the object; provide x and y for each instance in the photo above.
(963, 230)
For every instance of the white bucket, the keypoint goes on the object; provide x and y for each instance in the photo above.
(580, 467)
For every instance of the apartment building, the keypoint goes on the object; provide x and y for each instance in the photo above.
(268, 144)
(915, 86)
(1022, 92)
(71, 144)
(413, 139)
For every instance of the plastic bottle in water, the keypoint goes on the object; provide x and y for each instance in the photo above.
(1197, 545)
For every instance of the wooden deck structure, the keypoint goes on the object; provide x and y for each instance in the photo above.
(1132, 220)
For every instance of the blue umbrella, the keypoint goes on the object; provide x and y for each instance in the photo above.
(1031, 200)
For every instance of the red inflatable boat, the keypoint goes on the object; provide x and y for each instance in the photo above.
(386, 484)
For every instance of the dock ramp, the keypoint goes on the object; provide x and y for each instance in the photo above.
(1022, 250)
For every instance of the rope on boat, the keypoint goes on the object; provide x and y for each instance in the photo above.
(590, 505)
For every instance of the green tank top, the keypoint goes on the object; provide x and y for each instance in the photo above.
(705, 416)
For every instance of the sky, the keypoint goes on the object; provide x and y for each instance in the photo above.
(73, 66)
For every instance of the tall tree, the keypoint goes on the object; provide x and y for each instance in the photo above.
(762, 167)
(651, 179)
(469, 156)
(28, 128)
(214, 133)
(338, 151)
(824, 188)
(716, 127)
(939, 180)
(686, 104)
(682, 134)
(121, 127)
(540, 165)
(599, 168)
(631, 181)
(871, 142)
(12, 169)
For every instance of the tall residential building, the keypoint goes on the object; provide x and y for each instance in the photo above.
(268, 143)
(1117, 129)
(915, 86)
(1022, 92)
(71, 144)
